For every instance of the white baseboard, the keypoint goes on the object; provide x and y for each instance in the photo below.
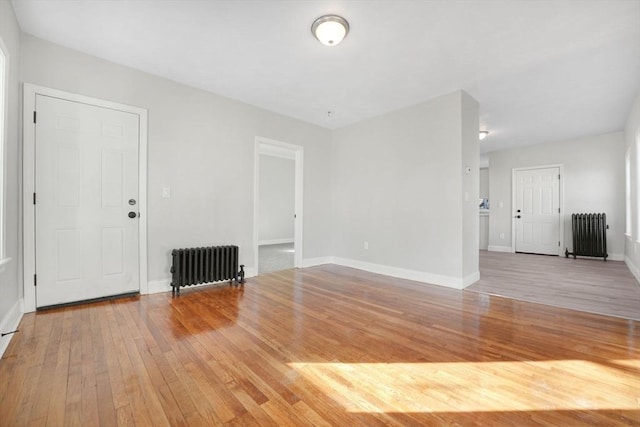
(275, 242)
(616, 257)
(418, 276)
(635, 270)
(249, 272)
(157, 286)
(494, 248)
(164, 285)
(10, 323)
(312, 262)
(470, 279)
(610, 257)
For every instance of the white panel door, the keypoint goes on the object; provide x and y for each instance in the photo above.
(537, 211)
(86, 174)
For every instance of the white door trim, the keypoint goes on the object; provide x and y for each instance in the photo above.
(28, 182)
(513, 203)
(280, 149)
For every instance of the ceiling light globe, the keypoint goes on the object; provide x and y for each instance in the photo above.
(330, 29)
(330, 33)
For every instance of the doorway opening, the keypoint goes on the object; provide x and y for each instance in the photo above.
(277, 206)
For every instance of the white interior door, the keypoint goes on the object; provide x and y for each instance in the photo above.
(86, 185)
(537, 210)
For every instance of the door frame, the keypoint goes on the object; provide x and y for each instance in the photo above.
(284, 149)
(560, 196)
(28, 183)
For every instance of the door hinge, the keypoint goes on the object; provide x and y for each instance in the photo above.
(558, 243)
(35, 280)
(34, 198)
(558, 176)
(34, 117)
(558, 210)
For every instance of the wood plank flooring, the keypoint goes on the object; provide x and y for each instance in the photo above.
(323, 346)
(582, 284)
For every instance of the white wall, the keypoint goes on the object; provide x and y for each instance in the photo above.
(202, 146)
(593, 182)
(10, 276)
(484, 184)
(632, 242)
(470, 175)
(399, 184)
(276, 204)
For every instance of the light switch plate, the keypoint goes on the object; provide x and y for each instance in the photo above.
(166, 192)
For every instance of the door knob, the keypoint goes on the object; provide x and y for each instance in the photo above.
(517, 216)
(518, 211)
(132, 214)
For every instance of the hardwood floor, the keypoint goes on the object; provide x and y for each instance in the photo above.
(321, 346)
(582, 284)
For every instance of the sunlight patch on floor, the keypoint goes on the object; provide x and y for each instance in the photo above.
(478, 387)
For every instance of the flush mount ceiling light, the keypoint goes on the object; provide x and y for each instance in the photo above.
(330, 29)
(483, 134)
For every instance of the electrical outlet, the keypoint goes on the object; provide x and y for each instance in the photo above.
(502, 236)
(366, 245)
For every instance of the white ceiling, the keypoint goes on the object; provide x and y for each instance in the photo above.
(541, 70)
